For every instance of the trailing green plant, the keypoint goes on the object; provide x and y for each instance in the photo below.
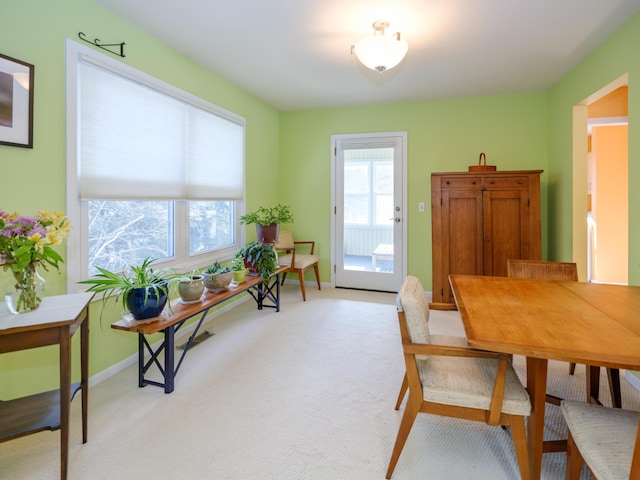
(262, 257)
(267, 215)
(122, 283)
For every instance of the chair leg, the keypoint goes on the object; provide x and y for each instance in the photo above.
(301, 277)
(284, 276)
(519, 436)
(410, 414)
(574, 459)
(403, 390)
(572, 368)
(613, 374)
(593, 385)
(317, 270)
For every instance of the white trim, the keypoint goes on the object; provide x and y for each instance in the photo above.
(605, 122)
(369, 139)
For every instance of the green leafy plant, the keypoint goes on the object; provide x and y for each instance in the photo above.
(262, 257)
(237, 264)
(267, 215)
(122, 283)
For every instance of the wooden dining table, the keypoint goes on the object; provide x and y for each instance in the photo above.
(584, 323)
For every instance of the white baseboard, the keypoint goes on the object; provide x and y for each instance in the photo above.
(186, 332)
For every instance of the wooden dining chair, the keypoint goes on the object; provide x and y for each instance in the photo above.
(607, 439)
(297, 262)
(564, 271)
(455, 381)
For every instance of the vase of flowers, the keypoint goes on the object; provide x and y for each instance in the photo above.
(26, 245)
(29, 290)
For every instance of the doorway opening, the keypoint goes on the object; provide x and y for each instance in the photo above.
(600, 185)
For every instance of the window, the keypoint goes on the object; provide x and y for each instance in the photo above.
(368, 185)
(152, 170)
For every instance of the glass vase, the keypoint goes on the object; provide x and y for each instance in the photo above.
(29, 290)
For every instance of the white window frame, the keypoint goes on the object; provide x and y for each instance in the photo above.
(77, 211)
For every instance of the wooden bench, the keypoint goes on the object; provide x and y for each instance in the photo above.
(384, 251)
(170, 321)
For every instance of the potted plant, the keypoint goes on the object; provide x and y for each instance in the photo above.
(190, 286)
(267, 221)
(142, 290)
(217, 277)
(260, 258)
(238, 267)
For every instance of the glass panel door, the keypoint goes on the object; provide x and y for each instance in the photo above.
(369, 233)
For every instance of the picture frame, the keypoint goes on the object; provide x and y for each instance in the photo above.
(16, 102)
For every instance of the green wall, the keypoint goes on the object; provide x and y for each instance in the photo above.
(288, 153)
(35, 31)
(615, 57)
(443, 135)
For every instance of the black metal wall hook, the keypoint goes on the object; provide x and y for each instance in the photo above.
(103, 46)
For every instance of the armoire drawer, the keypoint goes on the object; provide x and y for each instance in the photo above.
(461, 182)
(519, 182)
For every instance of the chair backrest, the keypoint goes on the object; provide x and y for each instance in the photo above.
(285, 241)
(542, 270)
(413, 302)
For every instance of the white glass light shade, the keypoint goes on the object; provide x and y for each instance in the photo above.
(381, 52)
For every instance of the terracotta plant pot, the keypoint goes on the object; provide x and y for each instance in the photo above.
(268, 233)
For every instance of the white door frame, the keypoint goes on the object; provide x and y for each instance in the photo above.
(403, 213)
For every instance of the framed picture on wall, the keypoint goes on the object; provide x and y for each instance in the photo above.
(16, 102)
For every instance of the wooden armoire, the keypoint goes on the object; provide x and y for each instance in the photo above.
(479, 220)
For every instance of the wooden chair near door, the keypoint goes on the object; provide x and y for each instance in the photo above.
(564, 271)
(455, 381)
(297, 262)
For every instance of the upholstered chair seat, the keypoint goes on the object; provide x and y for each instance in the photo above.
(469, 382)
(605, 438)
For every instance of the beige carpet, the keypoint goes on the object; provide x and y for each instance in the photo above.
(307, 393)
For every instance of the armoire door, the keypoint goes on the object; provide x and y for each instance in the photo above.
(462, 234)
(505, 228)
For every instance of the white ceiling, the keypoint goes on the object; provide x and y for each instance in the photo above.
(296, 54)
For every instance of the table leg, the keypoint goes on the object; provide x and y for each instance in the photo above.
(278, 292)
(65, 397)
(140, 360)
(260, 295)
(613, 374)
(169, 359)
(84, 374)
(537, 387)
(593, 384)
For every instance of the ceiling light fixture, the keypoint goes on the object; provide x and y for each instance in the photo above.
(380, 52)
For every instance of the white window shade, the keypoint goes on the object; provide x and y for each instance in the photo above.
(215, 152)
(141, 143)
